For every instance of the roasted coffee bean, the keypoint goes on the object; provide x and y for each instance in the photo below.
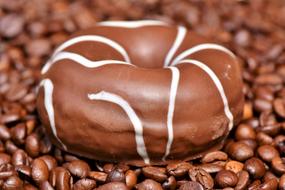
(115, 186)
(264, 139)
(85, 184)
(245, 131)
(78, 168)
(149, 184)
(271, 130)
(269, 175)
(279, 143)
(116, 175)
(201, 176)
(279, 107)
(267, 152)
(16, 92)
(271, 184)
(40, 172)
(255, 167)
(69, 158)
(10, 147)
(11, 25)
(278, 165)
(46, 186)
(214, 156)
(61, 179)
(32, 145)
(4, 133)
(226, 178)
(24, 172)
(211, 168)
(282, 182)
(262, 105)
(38, 47)
(170, 183)
(191, 185)
(240, 151)
(13, 183)
(234, 166)
(5, 158)
(254, 185)
(178, 169)
(20, 157)
(131, 178)
(243, 180)
(251, 143)
(155, 173)
(50, 161)
(30, 187)
(45, 145)
(98, 176)
(6, 174)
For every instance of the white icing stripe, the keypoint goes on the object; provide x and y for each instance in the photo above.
(198, 48)
(84, 61)
(138, 127)
(179, 39)
(48, 102)
(218, 84)
(94, 38)
(132, 24)
(173, 91)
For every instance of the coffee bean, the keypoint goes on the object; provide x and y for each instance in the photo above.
(255, 167)
(245, 131)
(20, 157)
(267, 152)
(279, 107)
(191, 185)
(13, 183)
(272, 184)
(115, 186)
(211, 168)
(268, 79)
(264, 139)
(38, 47)
(85, 184)
(226, 178)
(271, 130)
(98, 176)
(4, 133)
(131, 179)
(32, 145)
(243, 180)
(155, 173)
(45, 145)
(16, 92)
(5, 158)
(50, 161)
(201, 176)
(282, 182)
(178, 169)
(46, 186)
(24, 172)
(170, 183)
(61, 179)
(115, 175)
(70, 158)
(149, 184)
(30, 187)
(268, 176)
(10, 147)
(11, 25)
(251, 143)
(254, 185)
(234, 166)
(240, 151)
(214, 156)
(78, 168)
(40, 172)
(278, 165)
(279, 143)
(261, 105)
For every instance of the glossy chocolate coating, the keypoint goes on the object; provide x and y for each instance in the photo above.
(129, 95)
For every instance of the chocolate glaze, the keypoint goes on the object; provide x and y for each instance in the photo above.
(141, 93)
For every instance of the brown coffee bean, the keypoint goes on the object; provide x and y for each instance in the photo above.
(38, 47)
(269, 175)
(20, 157)
(191, 185)
(13, 183)
(40, 172)
(24, 172)
(245, 131)
(254, 185)
(149, 184)
(262, 105)
(278, 165)
(240, 151)
(272, 184)
(78, 168)
(131, 179)
(226, 178)
(11, 25)
(170, 183)
(269, 79)
(234, 166)
(4, 133)
(279, 143)
(85, 184)
(10, 147)
(98, 176)
(46, 186)
(16, 92)
(69, 158)
(267, 152)
(211, 168)
(255, 167)
(201, 176)
(5, 158)
(279, 107)
(9, 118)
(271, 130)
(263, 138)
(32, 145)
(282, 182)
(50, 161)
(243, 180)
(155, 173)
(61, 179)
(6, 174)
(115, 186)
(178, 169)
(251, 143)
(29, 187)
(214, 156)
(115, 175)
(45, 145)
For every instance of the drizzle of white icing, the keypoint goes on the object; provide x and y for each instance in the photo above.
(138, 127)
(48, 90)
(198, 48)
(173, 91)
(93, 38)
(132, 24)
(179, 39)
(218, 84)
(84, 61)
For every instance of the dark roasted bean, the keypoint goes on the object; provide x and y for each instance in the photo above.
(50, 161)
(226, 178)
(155, 173)
(234, 166)
(40, 172)
(98, 176)
(240, 151)
(245, 131)
(46, 186)
(20, 157)
(149, 184)
(271, 184)
(78, 168)
(24, 172)
(178, 169)
(214, 156)
(4, 133)
(211, 168)
(115, 175)
(191, 185)
(13, 183)
(61, 179)
(85, 184)
(278, 165)
(267, 152)
(255, 167)
(170, 183)
(201, 176)
(243, 180)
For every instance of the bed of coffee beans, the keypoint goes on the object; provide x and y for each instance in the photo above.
(253, 156)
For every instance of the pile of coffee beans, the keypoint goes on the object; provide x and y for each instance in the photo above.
(253, 156)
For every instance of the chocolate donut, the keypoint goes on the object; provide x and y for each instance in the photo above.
(140, 92)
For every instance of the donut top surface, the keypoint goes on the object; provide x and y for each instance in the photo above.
(140, 92)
